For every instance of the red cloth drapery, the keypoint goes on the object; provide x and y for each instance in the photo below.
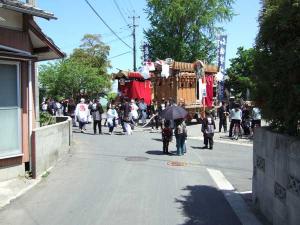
(209, 90)
(137, 89)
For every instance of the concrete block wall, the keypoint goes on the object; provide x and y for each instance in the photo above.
(49, 144)
(276, 176)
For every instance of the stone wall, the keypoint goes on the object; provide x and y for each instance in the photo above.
(49, 143)
(276, 176)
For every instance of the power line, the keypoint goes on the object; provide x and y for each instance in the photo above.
(131, 5)
(119, 55)
(97, 14)
(122, 15)
(118, 39)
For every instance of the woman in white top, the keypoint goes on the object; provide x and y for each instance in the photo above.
(236, 118)
(112, 115)
(82, 113)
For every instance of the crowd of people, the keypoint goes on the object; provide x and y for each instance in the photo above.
(130, 113)
(244, 116)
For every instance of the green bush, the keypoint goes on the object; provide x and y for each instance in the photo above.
(46, 119)
(277, 64)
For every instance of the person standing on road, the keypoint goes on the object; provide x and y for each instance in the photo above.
(96, 111)
(256, 119)
(154, 110)
(208, 129)
(143, 109)
(223, 113)
(236, 118)
(166, 136)
(82, 113)
(180, 134)
(112, 116)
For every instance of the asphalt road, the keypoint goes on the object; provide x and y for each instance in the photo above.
(125, 180)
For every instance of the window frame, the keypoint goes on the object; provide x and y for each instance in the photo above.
(19, 151)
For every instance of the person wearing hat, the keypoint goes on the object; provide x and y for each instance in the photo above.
(82, 113)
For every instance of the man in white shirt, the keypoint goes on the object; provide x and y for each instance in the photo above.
(82, 113)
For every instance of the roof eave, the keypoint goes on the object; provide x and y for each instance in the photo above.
(44, 15)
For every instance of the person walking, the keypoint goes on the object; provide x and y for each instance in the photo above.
(222, 114)
(96, 111)
(166, 136)
(134, 112)
(208, 129)
(143, 109)
(71, 111)
(180, 135)
(45, 105)
(59, 108)
(82, 113)
(112, 116)
(155, 110)
(52, 107)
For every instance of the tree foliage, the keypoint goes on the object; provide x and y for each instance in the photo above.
(240, 72)
(277, 64)
(84, 72)
(185, 30)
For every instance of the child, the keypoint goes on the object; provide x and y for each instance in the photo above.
(166, 136)
(208, 129)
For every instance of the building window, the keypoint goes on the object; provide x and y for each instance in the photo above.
(10, 132)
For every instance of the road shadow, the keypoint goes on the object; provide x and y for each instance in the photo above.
(83, 133)
(157, 139)
(155, 152)
(196, 147)
(205, 205)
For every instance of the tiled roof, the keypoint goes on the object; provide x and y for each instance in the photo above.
(19, 6)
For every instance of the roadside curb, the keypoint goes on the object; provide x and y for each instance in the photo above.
(21, 192)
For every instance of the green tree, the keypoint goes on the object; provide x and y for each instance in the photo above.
(277, 64)
(240, 73)
(84, 72)
(185, 30)
(93, 52)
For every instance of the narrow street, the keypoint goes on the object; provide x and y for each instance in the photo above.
(125, 180)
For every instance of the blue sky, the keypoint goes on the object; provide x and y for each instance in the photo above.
(75, 19)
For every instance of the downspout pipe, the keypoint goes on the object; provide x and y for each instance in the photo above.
(30, 96)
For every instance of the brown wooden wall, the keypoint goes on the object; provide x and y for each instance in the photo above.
(187, 88)
(165, 88)
(182, 85)
(15, 39)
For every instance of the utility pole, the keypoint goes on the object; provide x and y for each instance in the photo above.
(31, 2)
(134, 39)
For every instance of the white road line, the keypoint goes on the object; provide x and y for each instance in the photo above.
(224, 142)
(244, 192)
(234, 199)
